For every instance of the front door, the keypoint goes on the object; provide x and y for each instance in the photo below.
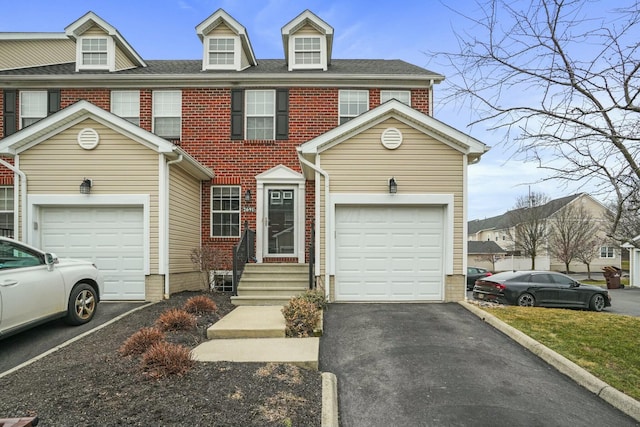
(280, 221)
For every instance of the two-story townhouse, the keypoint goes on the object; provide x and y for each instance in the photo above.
(500, 229)
(134, 163)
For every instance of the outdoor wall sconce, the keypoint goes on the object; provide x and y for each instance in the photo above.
(247, 200)
(85, 186)
(393, 186)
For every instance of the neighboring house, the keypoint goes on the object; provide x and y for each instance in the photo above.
(498, 228)
(179, 154)
(485, 254)
(634, 261)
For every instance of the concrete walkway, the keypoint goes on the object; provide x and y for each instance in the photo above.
(256, 334)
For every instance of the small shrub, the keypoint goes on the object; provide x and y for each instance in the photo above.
(140, 341)
(200, 304)
(176, 320)
(163, 359)
(315, 296)
(301, 317)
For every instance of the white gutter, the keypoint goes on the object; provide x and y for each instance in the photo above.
(325, 174)
(166, 227)
(23, 197)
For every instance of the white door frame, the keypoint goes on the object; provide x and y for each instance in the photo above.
(280, 177)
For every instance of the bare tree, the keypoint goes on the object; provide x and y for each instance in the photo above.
(492, 258)
(561, 79)
(528, 225)
(628, 223)
(570, 229)
(588, 252)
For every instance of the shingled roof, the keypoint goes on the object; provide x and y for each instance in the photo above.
(484, 247)
(503, 221)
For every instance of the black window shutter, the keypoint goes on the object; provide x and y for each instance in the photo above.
(237, 113)
(54, 101)
(9, 114)
(282, 114)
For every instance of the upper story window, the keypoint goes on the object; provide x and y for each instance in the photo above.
(307, 51)
(261, 110)
(607, 252)
(225, 211)
(33, 107)
(403, 96)
(352, 103)
(94, 51)
(167, 113)
(126, 104)
(221, 51)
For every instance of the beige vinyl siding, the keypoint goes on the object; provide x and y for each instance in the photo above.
(307, 30)
(94, 31)
(116, 166)
(222, 30)
(41, 52)
(184, 219)
(420, 165)
(122, 61)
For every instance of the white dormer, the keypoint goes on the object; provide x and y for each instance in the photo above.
(225, 43)
(308, 41)
(99, 46)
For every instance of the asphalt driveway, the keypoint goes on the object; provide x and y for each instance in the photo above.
(439, 365)
(28, 344)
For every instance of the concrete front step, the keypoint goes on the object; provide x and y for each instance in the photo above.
(298, 351)
(270, 300)
(250, 322)
(279, 291)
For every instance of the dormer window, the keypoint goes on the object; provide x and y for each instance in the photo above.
(307, 51)
(95, 53)
(221, 53)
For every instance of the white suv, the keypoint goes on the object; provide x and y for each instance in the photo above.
(36, 287)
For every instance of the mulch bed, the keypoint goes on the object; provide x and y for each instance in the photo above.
(88, 383)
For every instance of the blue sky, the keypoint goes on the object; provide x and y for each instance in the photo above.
(399, 29)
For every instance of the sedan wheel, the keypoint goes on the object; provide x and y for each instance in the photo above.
(82, 304)
(526, 300)
(597, 303)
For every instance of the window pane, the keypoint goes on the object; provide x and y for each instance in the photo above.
(260, 102)
(225, 216)
(167, 127)
(353, 103)
(125, 103)
(403, 96)
(260, 128)
(33, 104)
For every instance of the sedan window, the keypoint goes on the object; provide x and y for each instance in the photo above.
(563, 280)
(541, 278)
(13, 255)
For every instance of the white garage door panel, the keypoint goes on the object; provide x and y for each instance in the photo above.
(111, 237)
(388, 253)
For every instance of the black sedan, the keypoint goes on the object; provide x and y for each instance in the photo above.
(540, 288)
(475, 273)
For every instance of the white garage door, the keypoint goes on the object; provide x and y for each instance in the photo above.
(389, 253)
(111, 237)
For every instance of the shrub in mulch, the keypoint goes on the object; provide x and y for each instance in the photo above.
(176, 320)
(140, 341)
(163, 359)
(301, 317)
(200, 304)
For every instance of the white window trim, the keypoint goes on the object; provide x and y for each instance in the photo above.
(388, 93)
(154, 115)
(22, 116)
(111, 55)
(340, 115)
(223, 211)
(613, 252)
(236, 54)
(322, 65)
(247, 115)
(137, 92)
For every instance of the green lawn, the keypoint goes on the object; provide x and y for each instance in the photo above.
(607, 345)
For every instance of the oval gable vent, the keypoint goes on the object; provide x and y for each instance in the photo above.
(88, 138)
(391, 138)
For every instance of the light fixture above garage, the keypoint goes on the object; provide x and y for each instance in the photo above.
(85, 186)
(393, 186)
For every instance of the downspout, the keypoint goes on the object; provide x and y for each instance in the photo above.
(325, 174)
(23, 196)
(166, 225)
